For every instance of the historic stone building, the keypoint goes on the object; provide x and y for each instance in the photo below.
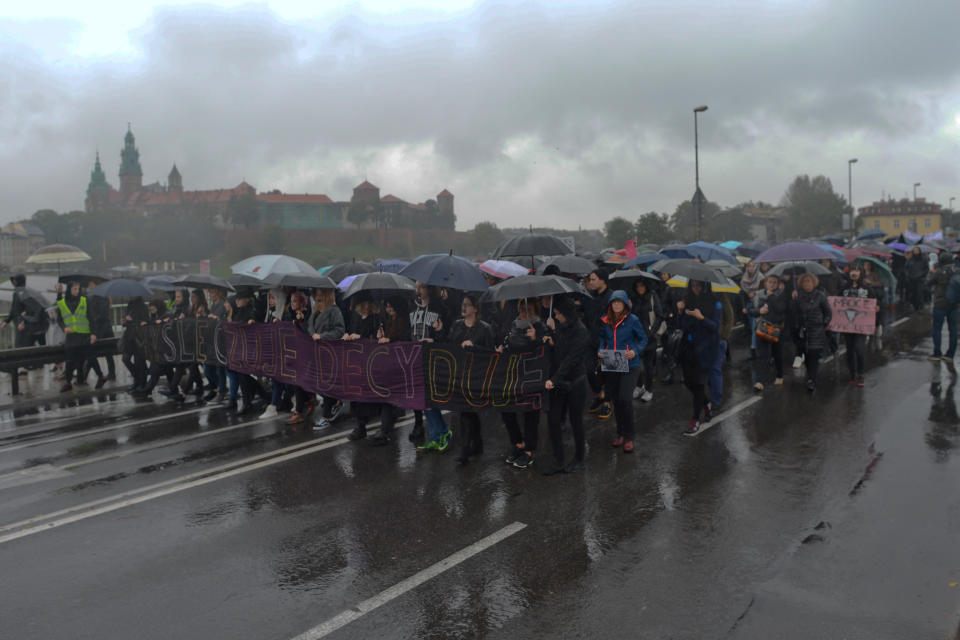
(893, 217)
(230, 207)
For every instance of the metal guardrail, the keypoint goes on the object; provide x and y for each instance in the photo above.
(12, 360)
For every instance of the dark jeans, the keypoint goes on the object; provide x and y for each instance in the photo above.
(716, 376)
(74, 356)
(620, 388)
(572, 402)
(694, 378)
(531, 425)
(915, 288)
(765, 351)
(950, 315)
(856, 348)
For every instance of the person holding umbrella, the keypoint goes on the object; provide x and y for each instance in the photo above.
(647, 307)
(567, 384)
(526, 332)
(73, 319)
(470, 332)
(27, 313)
(856, 342)
(700, 314)
(623, 331)
(132, 357)
(943, 309)
(915, 271)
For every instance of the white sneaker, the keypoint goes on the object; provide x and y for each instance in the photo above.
(636, 392)
(270, 412)
(646, 396)
(798, 362)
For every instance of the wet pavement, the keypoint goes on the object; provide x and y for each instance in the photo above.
(835, 515)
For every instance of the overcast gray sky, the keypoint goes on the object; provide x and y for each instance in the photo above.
(552, 113)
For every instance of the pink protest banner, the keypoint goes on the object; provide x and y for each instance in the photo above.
(852, 315)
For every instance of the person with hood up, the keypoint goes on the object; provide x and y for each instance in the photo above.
(943, 309)
(27, 314)
(699, 315)
(567, 384)
(72, 317)
(623, 331)
(915, 272)
(811, 311)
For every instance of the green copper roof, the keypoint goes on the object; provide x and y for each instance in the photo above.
(129, 156)
(98, 181)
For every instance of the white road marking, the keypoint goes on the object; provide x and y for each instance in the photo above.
(410, 583)
(732, 411)
(899, 322)
(113, 427)
(37, 473)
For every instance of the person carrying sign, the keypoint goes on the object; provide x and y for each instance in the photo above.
(856, 342)
(623, 331)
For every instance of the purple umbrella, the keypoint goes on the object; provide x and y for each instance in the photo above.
(794, 251)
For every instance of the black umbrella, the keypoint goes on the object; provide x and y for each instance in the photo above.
(300, 280)
(531, 287)
(160, 283)
(202, 281)
(626, 279)
(340, 271)
(121, 288)
(83, 277)
(690, 269)
(380, 285)
(568, 264)
(798, 267)
(752, 249)
(724, 267)
(532, 244)
(446, 270)
(243, 280)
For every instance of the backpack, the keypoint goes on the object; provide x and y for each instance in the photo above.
(953, 289)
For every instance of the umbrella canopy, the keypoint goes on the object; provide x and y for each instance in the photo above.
(27, 292)
(446, 270)
(731, 244)
(160, 283)
(240, 280)
(753, 248)
(727, 286)
(626, 279)
(724, 267)
(707, 251)
(794, 251)
(835, 252)
(832, 239)
(871, 234)
(58, 253)
(531, 286)
(301, 280)
(678, 251)
(691, 269)
(532, 244)
(378, 285)
(504, 269)
(340, 271)
(391, 266)
(796, 268)
(82, 277)
(883, 271)
(263, 266)
(121, 288)
(202, 281)
(643, 260)
(875, 249)
(568, 264)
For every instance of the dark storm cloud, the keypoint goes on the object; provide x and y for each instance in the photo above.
(226, 94)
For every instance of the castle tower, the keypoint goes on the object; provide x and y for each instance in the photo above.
(98, 191)
(445, 203)
(131, 175)
(366, 193)
(174, 181)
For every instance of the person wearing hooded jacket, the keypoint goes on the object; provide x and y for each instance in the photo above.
(915, 272)
(943, 309)
(567, 384)
(699, 316)
(648, 308)
(73, 318)
(26, 314)
(623, 331)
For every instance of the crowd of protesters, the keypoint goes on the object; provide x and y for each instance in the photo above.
(666, 333)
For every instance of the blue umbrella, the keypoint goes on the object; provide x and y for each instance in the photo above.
(677, 251)
(446, 270)
(871, 234)
(121, 288)
(643, 260)
(731, 244)
(160, 283)
(709, 251)
(391, 266)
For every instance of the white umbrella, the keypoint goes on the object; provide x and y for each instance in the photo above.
(261, 267)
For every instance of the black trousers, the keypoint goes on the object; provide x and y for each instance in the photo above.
(571, 402)
(136, 364)
(649, 369)
(856, 353)
(74, 357)
(812, 360)
(620, 388)
(470, 432)
(695, 378)
(531, 424)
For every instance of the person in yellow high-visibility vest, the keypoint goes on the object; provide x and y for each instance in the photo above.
(72, 317)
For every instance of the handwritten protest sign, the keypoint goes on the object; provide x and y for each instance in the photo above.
(852, 315)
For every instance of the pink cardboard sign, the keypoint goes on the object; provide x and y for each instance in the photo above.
(852, 315)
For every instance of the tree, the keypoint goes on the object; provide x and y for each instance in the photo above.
(653, 228)
(813, 209)
(617, 231)
(243, 211)
(487, 237)
(684, 220)
(359, 212)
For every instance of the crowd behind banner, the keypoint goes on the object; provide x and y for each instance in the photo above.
(448, 355)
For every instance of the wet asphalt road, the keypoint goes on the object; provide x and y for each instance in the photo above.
(831, 516)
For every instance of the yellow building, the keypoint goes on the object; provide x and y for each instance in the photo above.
(893, 217)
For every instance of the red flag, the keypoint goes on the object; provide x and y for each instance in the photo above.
(631, 247)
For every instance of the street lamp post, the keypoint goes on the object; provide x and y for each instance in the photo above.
(696, 170)
(915, 185)
(850, 162)
(950, 206)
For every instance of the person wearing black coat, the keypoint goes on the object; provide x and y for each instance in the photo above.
(133, 357)
(362, 324)
(811, 313)
(916, 271)
(470, 332)
(647, 306)
(101, 325)
(700, 314)
(857, 342)
(596, 283)
(770, 304)
(567, 384)
(525, 334)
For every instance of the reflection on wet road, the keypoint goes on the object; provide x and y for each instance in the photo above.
(123, 520)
